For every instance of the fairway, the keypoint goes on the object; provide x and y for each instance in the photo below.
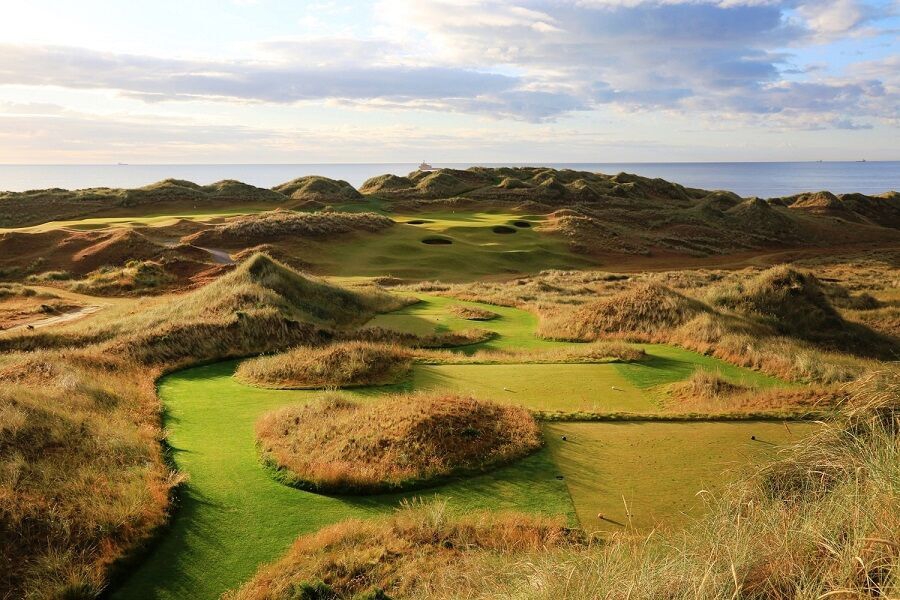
(658, 469)
(513, 328)
(589, 388)
(233, 516)
(474, 250)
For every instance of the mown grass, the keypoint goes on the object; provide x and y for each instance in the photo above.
(475, 250)
(641, 476)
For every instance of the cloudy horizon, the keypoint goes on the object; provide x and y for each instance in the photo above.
(259, 81)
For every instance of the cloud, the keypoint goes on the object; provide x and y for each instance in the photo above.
(532, 60)
(343, 76)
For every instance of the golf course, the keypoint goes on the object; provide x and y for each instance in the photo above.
(494, 382)
(233, 515)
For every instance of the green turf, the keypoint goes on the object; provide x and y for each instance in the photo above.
(668, 364)
(657, 468)
(514, 328)
(591, 388)
(234, 516)
(476, 250)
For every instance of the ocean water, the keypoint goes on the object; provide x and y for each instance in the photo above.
(765, 179)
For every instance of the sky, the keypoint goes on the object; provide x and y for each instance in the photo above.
(270, 81)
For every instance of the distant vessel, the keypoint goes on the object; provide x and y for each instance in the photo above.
(426, 167)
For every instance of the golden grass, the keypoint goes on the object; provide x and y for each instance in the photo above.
(346, 364)
(397, 556)
(337, 445)
(472, 313)
(82, 476)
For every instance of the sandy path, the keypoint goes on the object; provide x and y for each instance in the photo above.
(57, 319)
(220, 257)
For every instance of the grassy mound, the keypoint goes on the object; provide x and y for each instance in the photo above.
(472, 313)
(135, 276)
(347, 364)
(399, 557)
(318, 189)
(795, 303)
(385, 183)
(397, 442)
(116, 249)
(253, 229)
(642, 309)
(261, 306)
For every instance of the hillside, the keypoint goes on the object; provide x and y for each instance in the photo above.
(574, 218)
(22, 209)
(85, 479)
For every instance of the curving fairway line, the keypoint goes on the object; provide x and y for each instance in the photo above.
(233, 516)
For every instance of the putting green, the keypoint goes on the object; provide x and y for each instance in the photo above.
(658, 469)
(233, 516)
(589, 388)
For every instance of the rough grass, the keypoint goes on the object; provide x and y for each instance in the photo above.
(643, 309)
(82, 477)
(134, 276)
(399, 555)
(472, 313)
(348, 364)
(781, 323)
(337, 445)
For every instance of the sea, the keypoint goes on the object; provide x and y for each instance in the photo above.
(762, 179)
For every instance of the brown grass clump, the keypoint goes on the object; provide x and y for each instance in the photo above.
(400, 556)
(82, 477)
(472, 313)
(402, 441)
(706, 384)
(794, 303)
(347, 364)
(643, 309)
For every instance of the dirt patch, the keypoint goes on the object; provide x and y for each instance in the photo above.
(522, 224)
(503, 229)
